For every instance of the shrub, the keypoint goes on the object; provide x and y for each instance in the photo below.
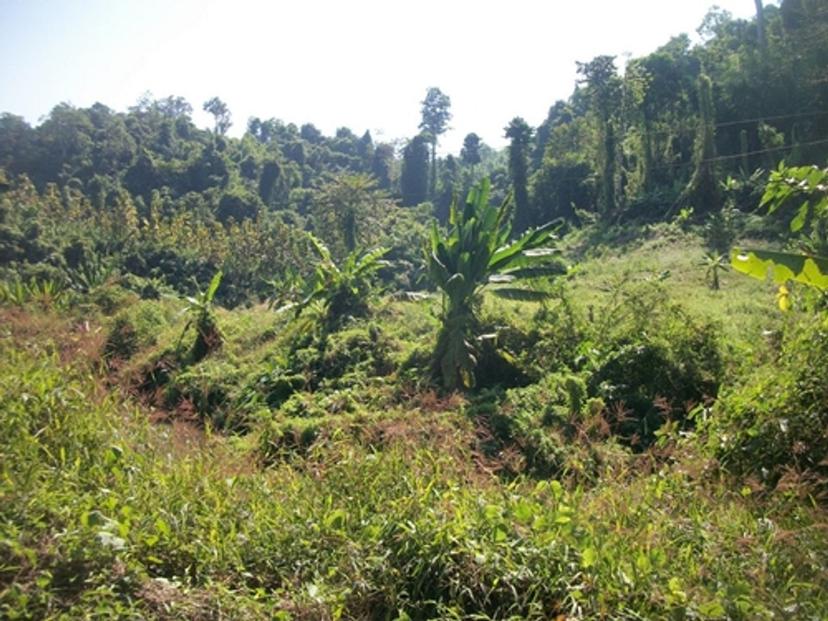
(647, 377)
(779, 419)
(134, 328)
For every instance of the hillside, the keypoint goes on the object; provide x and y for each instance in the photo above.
(278, 374)
(344, 487)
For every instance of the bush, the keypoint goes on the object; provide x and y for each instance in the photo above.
(779, 419)
(134, 328)
(649, 376)
(282, 438)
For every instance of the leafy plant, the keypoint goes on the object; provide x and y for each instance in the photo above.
(200, 312)
(809, 184)
(476, 251)
(343, 290)
(713, 264)
(684, 217)
(93, 272)
(18, 292)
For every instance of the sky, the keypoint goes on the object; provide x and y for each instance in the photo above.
(362, 64)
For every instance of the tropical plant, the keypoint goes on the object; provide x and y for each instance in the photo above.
(93, 272)
(713, 264)
(201, 316)
(17, 292)
(808, 184)
(343, 290)
(474, 252)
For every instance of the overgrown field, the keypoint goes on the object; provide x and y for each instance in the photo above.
(642, 447)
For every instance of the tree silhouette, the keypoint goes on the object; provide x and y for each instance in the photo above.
(435, 117)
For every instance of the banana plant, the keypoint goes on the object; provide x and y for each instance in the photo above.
(342, 290)
(200, 314)
(713, 264)
(474, 253)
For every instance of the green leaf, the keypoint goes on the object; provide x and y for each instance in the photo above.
(782, 266)
(588, 557)
(524, 512)
(336, 519)
(801, 217)
(213, 287)
(712, 609)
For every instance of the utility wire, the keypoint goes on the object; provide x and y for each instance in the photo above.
(721, 158)
(772, 118)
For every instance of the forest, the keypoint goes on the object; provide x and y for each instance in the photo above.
(296, 376)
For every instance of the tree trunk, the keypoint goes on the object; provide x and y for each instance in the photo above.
(760, 25)
(433, 180)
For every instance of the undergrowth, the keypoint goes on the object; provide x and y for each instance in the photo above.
(654, 462)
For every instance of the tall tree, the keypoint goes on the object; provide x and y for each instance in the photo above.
(435, 117)
(221, 114)
(520, 134)
(603, 90)
(414, 178)
(760, 24)
(381, 164)
(470, 153)
(365, 150)
(702, 191)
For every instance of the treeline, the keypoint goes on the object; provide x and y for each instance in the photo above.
(641, 145)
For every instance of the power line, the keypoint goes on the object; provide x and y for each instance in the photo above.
(721, 158)
(772, 118)
(758, 119)
(769, 150)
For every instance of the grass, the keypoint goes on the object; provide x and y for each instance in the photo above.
(365, 494)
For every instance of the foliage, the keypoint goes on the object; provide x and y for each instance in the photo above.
(520, 135)
(774, 424)
(199, 311)
(436, 114)
(342, 290)
(714, 264)
(138, 525)
(414, 180)
(807, 183)
(475, 252)
(45, 293)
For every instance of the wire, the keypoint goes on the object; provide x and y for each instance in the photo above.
(770, 150)
(771, 118)
(721, 158)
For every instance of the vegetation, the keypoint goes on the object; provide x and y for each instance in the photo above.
(470, 412)
(476, 251)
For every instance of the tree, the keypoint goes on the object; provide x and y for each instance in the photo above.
(474, 252)
(702, 191)
(414, 179)
(435, 117)
(270, 177)
(760, 25)
(603, 90)
(365, 150)
(343, 206)
(381, 164)
(221, 114)
(470, 153)
(448, 188)
(520, 134)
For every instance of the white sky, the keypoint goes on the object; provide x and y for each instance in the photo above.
(364, 64)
